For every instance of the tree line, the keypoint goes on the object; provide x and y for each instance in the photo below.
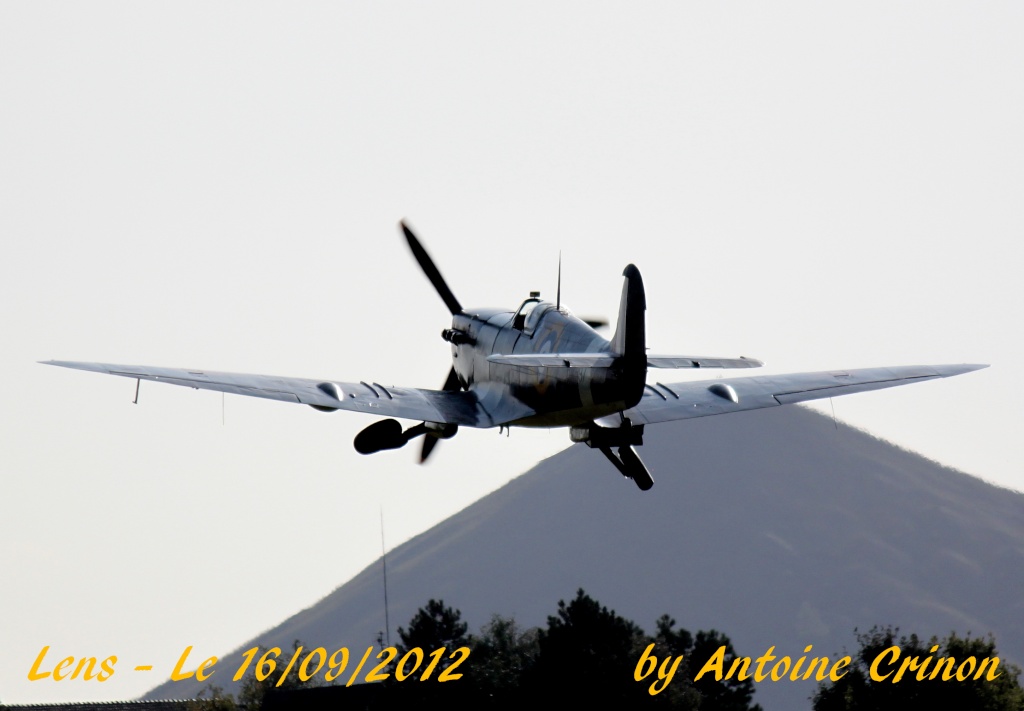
(587, 653)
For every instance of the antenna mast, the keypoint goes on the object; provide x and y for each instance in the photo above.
(558, 293)
(384, 564)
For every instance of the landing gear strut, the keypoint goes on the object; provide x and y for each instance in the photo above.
(630, 465)
(623, 437)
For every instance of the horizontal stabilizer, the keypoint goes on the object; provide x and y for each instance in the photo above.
(675, 361)
(556, 360)
(604, 360)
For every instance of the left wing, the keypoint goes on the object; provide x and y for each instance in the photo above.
(445, 407)
(680, 401)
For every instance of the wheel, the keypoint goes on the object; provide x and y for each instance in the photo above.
(635, 468)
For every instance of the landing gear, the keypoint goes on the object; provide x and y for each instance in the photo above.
(630, 465)
(623, 438)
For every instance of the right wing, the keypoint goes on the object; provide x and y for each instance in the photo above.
(445, 407)
(681, 401)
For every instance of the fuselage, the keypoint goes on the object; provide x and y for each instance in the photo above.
(560, 396)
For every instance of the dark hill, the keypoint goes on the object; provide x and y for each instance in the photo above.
(771, 526)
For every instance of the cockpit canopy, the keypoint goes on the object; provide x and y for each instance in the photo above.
(528, 315)
(531, 312)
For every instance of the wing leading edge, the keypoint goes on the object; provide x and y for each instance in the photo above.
(660, 402)
(446, 407)
(680, 401)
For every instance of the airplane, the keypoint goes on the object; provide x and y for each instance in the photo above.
(541, 366)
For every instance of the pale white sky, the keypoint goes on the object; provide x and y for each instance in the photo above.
(218, 186)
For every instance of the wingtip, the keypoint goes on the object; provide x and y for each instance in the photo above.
(80, 365)
(950, 370)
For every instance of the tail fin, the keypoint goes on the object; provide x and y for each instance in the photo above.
(630, 337)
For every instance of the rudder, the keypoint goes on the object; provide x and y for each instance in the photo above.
(630, 337)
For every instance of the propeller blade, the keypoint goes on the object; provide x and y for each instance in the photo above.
(451, 383)
(428, 267)
(428, 446)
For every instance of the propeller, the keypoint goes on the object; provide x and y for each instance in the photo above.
(434, 275)
(430, 269)
(429, 442)
(452, 383)
(428, 446)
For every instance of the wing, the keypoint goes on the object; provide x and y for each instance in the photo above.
(680, 401)
(446, 407)
(604, 360)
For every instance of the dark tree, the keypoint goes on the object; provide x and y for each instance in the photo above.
(727, 694)
(857, 690)
(501, 655)
(253, 694)
(672, 641)
(212, 698)
(501, 664)
(588, 654)
(706, 694)
(433, 627)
